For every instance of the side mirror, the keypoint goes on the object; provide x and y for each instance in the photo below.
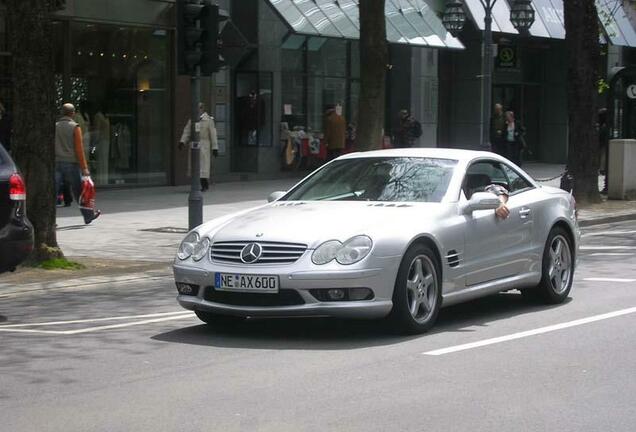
(275, 195)
(482, 201)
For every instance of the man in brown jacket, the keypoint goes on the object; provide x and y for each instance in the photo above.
(335, 130)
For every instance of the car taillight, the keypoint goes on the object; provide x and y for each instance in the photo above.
(17, 188)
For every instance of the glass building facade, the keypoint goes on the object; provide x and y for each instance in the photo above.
(118, 77)
(113, 61)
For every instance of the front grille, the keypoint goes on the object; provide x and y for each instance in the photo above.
(273, 252)
(285, 297)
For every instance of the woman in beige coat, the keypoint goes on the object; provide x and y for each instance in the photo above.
(207, 142)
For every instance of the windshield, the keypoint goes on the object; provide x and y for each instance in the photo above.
(397, 179)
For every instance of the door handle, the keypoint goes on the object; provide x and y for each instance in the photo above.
(524, 213)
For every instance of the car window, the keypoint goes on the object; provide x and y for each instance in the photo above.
(397, 179)
(481, 174)
(515, 181)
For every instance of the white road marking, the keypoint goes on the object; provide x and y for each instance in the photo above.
(14, 330)
(609, 280)
(534, 332)
(134, 323)
(160, 318)
(603, 233)
(607, 247)
(181, 312)
(612, 254)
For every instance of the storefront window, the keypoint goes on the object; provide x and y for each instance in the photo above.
(318, 73)
(254, 108)
(120, 85)
(355, 59)
(293, 55)
(292, 93)
(327, 57)
(325, 92)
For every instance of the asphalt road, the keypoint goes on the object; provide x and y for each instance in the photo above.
(126, 357)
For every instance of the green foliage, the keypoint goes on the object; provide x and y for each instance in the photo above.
(602, 86)
(60, 264)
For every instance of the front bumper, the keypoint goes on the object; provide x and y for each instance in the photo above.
(297, 280)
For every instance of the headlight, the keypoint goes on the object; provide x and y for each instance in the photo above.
(200, 249)
(187, 246)
(352, 251)
(326, 252)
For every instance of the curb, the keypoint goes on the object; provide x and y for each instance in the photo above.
(607, 219)
(6, 291)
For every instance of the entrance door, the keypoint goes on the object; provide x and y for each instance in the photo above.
(525, 102)
(509, 96)
(531, 120)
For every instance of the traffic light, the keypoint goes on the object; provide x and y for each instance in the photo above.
(198, 36)
(211, 21)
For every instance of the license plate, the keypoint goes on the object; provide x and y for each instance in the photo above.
(246, 283)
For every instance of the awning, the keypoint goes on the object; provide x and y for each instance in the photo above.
(411, 22)
(501, 17)
(618, 28)
(549, 21)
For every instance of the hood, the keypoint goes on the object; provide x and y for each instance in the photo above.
(313, 222)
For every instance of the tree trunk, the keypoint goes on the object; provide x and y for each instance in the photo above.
(581, 39)
(373, 58)
(33, 140)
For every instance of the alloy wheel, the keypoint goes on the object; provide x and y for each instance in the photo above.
(560, 267)
(421, 286)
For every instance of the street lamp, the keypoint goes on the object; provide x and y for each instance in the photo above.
(521, 16)
(454, 17)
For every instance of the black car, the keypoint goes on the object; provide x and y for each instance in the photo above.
(16, 232)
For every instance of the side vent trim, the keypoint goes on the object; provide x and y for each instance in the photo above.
(453, 258)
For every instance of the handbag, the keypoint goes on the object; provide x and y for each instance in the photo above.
(87, 196)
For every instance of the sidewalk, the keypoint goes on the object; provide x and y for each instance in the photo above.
(140, 229)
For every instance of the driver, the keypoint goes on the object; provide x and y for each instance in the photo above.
(502, 212)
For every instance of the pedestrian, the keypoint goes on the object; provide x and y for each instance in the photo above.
(497, 127)
(603, 144)
(335, 132)
(514, 139)
(5, 128)
(408, 130)
(81, 117)
(70, 162)
(207, 141)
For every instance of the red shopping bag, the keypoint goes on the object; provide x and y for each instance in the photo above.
(87, 196)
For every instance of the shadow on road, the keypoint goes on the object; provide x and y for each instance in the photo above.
(337, 334)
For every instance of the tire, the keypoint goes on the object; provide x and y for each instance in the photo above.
(557, 269)
(218, 320)
(417, 295)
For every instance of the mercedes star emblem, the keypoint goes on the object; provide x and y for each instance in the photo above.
(251, 253)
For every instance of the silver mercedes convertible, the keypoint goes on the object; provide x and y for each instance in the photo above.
(391, 233)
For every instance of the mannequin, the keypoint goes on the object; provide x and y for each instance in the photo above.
(101, 128)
